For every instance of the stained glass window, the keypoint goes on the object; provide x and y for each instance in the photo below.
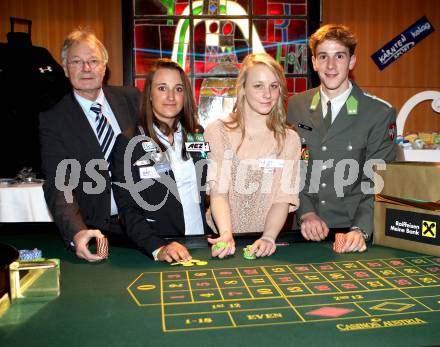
(210, 38)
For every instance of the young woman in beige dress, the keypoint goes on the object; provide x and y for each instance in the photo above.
(253, 170)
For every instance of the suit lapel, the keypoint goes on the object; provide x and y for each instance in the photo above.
(199, 173)
(341, 123)
(201, 182)
(317, 121)
(119, 107)
(315, 110)
(85, 134)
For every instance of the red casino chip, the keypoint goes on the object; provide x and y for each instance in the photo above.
(102, 247)
(339, 243)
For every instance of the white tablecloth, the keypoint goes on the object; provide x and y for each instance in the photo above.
(23, 203)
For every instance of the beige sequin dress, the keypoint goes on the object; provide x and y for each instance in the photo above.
(254, 178)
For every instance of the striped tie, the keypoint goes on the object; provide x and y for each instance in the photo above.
(104, 130)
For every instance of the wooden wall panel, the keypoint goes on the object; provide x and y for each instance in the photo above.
(375, 23)
(421, 118)
(52, 20)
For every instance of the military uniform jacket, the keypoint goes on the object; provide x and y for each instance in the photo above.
(334, 177)
(147, 226)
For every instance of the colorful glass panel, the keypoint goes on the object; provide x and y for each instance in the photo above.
(211, 42)
(279, 7)
(152, 39)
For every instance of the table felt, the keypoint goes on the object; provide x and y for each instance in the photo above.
(97, 305)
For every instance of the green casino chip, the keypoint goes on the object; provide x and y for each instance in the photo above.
(249, 257)
(247, 253)
(220, 245)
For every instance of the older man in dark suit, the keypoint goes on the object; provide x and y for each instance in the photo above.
(77, 136)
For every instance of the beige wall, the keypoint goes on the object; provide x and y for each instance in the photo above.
(375, 22)
(52, 20)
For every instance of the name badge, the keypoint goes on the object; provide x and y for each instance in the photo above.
(270, 163)
(197, 146)
(148, 146)
(148, 172)
(305, 127)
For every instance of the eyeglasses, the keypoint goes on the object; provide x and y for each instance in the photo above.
(92, 63)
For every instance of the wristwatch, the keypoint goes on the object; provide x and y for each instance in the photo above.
(364, 234)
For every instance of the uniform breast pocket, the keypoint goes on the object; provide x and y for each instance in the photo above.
(309, 137)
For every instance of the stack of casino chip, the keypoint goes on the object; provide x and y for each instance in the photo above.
(339, 243)
(102, 247)
(30, 254)
(247, 253)
(191, 262)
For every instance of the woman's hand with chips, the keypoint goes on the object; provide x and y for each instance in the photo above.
(222, 246)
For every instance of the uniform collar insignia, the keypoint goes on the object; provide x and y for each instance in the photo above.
(315, 101)
(352, 106)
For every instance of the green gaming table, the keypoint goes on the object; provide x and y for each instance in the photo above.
(304, 295)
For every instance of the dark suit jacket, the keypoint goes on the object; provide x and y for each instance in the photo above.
(145, 227)
(65, 133)
(359, 136)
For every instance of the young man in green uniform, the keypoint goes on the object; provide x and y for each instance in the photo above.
(343, 131)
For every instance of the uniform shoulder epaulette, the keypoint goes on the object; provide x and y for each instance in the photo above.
(378, 99)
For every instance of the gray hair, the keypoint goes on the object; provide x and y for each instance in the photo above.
(80, 35)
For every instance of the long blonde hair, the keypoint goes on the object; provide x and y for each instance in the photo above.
(277, 118)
